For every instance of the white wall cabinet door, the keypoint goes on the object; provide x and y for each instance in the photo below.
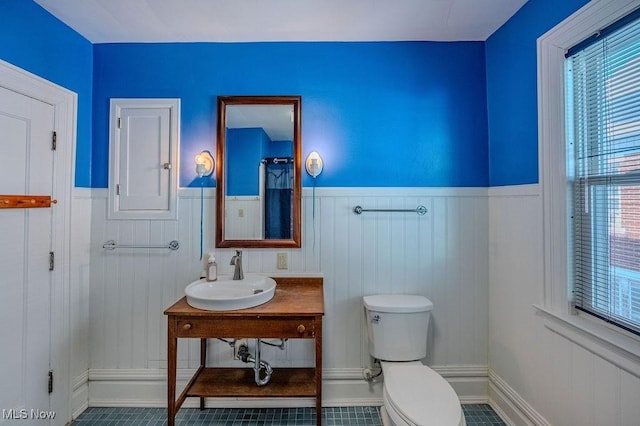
(143, 158)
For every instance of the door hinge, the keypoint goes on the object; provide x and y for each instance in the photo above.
(54, 141)
(51, 260)
(119, 122)
(117, 189)
(50, 386)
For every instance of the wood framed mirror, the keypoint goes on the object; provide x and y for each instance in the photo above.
(258, 171)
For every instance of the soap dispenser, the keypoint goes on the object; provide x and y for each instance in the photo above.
(212, 268)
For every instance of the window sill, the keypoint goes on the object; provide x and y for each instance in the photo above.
(610, 345)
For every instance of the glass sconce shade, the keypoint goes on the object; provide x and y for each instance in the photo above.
(205, 164)
(314, 164)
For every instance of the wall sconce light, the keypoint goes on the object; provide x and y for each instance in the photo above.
(314, 164)
(205, 164)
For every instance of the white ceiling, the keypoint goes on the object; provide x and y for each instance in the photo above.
(113, 21)
(275, 120)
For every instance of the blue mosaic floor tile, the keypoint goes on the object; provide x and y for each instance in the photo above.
(475, 415)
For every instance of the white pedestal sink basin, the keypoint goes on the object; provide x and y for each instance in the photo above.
(226, 294)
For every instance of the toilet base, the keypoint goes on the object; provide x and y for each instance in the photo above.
(419, 397)
(386, 420)
(390, 417)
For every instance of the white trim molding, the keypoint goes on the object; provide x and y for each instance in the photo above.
(469, 381)
(396, 192)
(529, 190)
(341, 387)
(610, 345)
(79, 395)
(510, 406)
(552, 46)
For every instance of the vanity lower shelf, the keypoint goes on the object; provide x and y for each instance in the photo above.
(234, 382)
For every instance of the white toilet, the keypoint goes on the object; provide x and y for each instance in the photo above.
(413, 393)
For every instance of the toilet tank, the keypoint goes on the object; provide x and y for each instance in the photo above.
(397, 326)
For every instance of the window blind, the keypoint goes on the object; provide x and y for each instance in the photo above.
(603, 134)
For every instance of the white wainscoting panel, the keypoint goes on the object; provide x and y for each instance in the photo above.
(441, 255)
(537, 375)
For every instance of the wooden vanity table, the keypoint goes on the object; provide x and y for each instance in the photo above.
(295, 311)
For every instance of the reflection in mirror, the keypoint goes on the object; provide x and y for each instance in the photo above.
(258, 173)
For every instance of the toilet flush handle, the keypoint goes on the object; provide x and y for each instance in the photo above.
(375, 318)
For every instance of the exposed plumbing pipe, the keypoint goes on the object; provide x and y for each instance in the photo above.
(276, 345)
(258, 364)
(368, 375)
(231, 343)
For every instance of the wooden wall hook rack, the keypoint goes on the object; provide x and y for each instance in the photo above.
(25, 201)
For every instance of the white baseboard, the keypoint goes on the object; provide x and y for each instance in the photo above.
(341, 388)
(510, 406)
(79, 394)
(469, 381)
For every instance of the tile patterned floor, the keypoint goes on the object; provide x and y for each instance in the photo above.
(481, 414)
(475, 414)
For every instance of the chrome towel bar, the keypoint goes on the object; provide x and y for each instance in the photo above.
(420, 210)
(112, 245)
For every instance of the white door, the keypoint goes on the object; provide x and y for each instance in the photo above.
(26, 167)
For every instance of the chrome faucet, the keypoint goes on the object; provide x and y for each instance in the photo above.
(237, 261)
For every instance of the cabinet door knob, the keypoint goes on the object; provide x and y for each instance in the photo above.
(301, 328)
(187, 326)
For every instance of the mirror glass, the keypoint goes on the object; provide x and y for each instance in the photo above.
(258, 168)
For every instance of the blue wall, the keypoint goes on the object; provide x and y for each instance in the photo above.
(380, 113)
(512, 90)
(34, 40)
(245, 149)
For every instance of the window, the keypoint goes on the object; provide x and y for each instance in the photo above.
(603, 166)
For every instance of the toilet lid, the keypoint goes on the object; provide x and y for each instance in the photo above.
(422, 396)
(402, 303)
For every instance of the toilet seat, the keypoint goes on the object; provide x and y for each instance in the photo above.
(414, 394)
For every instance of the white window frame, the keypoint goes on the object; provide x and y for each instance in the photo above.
(606, 341)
